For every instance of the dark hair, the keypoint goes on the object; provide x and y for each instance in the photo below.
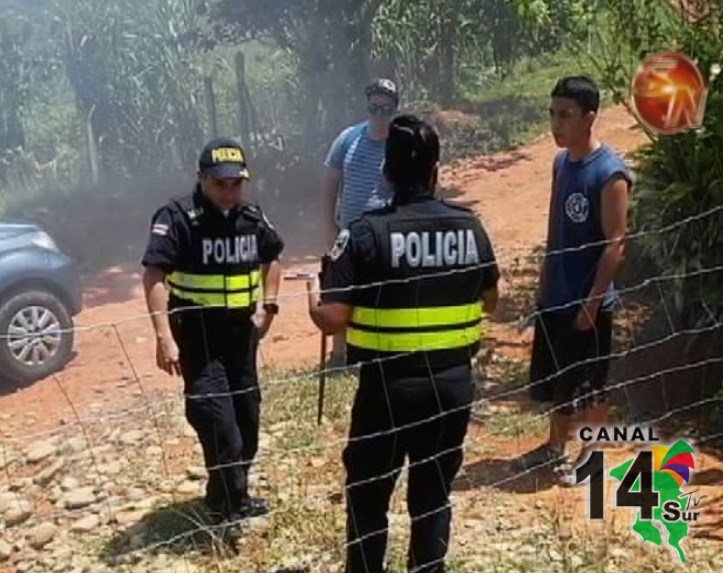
(581, 89)
(412, 152)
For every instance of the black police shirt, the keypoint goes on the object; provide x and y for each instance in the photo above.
(355, 258)
(170, 239)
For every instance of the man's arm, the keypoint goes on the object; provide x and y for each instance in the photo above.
(614, 206)
(157, 302)
(550, 226)
(270, 280)
(490, 298)
(331, 184)
(161, 256)
(271, 245)
(330, 193)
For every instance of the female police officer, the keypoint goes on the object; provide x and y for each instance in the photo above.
(214, 250)
(408, 283)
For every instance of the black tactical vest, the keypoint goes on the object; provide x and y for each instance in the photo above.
(219, 267)
(423, 306)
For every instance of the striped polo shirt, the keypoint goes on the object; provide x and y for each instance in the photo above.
(359, 158)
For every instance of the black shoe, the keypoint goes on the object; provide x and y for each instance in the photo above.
(215, 516)
(225, 528)
(542, 456)
(253, 507)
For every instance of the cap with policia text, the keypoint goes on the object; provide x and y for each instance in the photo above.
(223, 159)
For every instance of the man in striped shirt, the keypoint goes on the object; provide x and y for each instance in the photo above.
(353, 183)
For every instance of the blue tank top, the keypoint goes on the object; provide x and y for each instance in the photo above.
(576, 224)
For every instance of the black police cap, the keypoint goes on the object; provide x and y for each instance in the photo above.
(223, 159)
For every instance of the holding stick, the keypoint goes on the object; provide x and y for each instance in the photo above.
(310, 278)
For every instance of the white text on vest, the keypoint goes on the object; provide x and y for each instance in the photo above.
(434, 249)
(230, 250)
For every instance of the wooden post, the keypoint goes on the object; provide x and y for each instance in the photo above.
(92, 147)
(241, 97)
(211, 102)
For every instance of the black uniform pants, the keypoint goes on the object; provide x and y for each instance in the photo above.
(436, 406)
(218, 363)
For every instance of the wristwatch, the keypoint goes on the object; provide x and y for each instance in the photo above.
(270, 308)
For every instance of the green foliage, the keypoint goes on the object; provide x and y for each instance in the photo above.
(622, 33)
(331, 43)
(133, 80)
(25, 66)
(107, 91)
(676, 176)
(548, 25)
(487, 35)
(14, 94)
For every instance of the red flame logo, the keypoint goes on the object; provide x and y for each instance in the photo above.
(669, 93)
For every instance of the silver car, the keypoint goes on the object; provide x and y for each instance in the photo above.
(39, 294)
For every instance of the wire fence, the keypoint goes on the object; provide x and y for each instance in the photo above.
(314, 538)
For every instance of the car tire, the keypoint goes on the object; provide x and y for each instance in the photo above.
(36, 336)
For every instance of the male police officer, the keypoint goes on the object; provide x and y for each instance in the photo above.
(425, 267)
(214, 250)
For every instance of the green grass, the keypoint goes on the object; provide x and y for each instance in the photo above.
(509, 111)
(291, 407)
(530, 78)
(515, 423)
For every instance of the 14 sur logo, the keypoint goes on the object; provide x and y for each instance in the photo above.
(651, 481)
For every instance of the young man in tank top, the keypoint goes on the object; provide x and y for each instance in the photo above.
(585, 251)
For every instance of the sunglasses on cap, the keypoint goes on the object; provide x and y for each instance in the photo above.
(381, 109)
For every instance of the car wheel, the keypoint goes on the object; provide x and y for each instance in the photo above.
(36, 336)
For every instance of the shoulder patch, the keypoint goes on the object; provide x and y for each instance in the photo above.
(340, 245)
(160, 229)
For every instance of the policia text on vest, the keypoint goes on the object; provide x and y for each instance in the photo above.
(230, 250)
(436, 319)
(430, 250)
